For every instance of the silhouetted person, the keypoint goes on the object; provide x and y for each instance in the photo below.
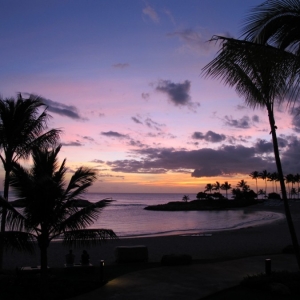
(70, 257)
(85, 258)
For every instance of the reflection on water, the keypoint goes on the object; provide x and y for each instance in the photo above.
(127, 217)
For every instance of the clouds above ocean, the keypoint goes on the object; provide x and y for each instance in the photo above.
(224, 161)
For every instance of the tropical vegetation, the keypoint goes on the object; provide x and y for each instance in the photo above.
(50, 204)
(264, 69)
(23, 125)
(185, 198)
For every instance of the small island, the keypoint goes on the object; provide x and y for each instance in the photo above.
(243, 196)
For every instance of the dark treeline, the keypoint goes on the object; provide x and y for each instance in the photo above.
(243, 190)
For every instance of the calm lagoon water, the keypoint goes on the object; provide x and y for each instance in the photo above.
(127, 217)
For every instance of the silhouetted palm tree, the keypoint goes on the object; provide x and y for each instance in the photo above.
(243, 185)
(50, 209)
(264, 176)
(208, 188)
(255, 175)
(274, 178)
(22, 126)
(185, 198)
(270, 178)
(276, 22)
(264, 76)
(289, 178)
(297, 180)
(225, 187)
(216, 186)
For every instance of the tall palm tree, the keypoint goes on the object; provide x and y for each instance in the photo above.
(289, 178)
(225, 186)
(264, 175)
(208, 188)
(255, 175)
(274, 178)
(263, 75)
(216, 186)
(23, 125)
(276, 22)
(50, 209)
(243, 185)
(297, 180)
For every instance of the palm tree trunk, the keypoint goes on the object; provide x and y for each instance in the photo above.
(3, 217)
(44, 261)
(256, 188)
(43, 243)
(282, 185)
(44, 287)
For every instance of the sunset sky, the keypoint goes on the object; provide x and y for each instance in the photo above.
(122, 78)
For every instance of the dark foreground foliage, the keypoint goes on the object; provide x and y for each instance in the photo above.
(278, 286)
(62, 283)
(203, 205)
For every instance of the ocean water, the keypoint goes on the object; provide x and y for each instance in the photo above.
(128, 218)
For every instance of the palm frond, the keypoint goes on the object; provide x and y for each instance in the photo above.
(81, 218)
(260, 74)
(44, 140)
(275, 22)
(19, 241)
(87, 237)
(14, 219)
(80, 182)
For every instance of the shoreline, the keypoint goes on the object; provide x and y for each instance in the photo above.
(262, 239)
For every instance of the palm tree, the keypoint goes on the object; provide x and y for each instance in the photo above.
(243, 185)
(225, 187)
(264, 176)
(289, 178)
(208, 188)
(274, 178)
(255, 175)
(236, 193)
(217, 186)
(297, 179)
(50, 208)
(185, 198)
(22, 126)
(276, 22)
(263, 75)
(270, 178)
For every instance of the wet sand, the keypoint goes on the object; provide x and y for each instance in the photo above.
(249, 241)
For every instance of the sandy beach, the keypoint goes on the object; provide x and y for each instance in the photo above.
(249, 241)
